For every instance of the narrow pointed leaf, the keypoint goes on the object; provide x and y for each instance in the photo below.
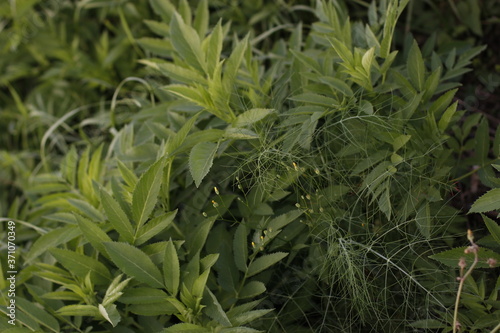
(487, 202)
(187, 43)
(171, 269)
(240, 247)
(264, 262)
(93, 233)
(39, 315)
(146, 192)
(416, 67)
(81, 265)
(117, 217)
(135, 263)
(201, 159)
(154, 227)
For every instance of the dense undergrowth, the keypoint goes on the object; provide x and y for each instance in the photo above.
(230, 166)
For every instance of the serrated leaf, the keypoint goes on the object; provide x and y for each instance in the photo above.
(37, 314)
(146, 192)
(283, 220)
(117, 217)
(187, 43)
(264, 262)
(201, 160)
(451, 257)
(81, 265)
(176, 72)
(416, 67)
(240, 247)
(214, 48)
(201, 19)
(240, 134)
(171, 269)
(400, 141)
(251, 116)
(79, 310)
(182, 134)
(214, 309)
(135, 263)
(110, 314)
(446, 118)
(442, 102)
(247, 317)
(493, 228)
(50, 240)
(487, 202)
(128, 175)
(87, 209)
(154, 227)
(199, 236)
(233, 64)
(93, 233)
(252, 289)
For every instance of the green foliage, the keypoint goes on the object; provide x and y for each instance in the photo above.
(288, 177)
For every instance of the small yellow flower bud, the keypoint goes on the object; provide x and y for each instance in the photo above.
(216, 190)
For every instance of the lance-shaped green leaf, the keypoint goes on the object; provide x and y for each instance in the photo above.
(451, 257)
(93, 233)
(146, 192)
(487, 202)
(110, 314)
(187, 43)
(164, 8)
(50, 240)
(251, 116)
(214, 309)
(79, 310)
(198, 238)
(416, 67)
(252, 289)
(493, 228)
(80, 265)
(240, 247)
(233, 64)
(154, 227)
(37, 314)
(213, 48)
(171, 269)
(117, 217)
(201, 159)
(264, 262)
(446, 118)
(135, 263)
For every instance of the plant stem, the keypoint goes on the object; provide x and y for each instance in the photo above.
(460, 286)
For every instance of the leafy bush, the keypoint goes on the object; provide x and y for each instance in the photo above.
(293, 179)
